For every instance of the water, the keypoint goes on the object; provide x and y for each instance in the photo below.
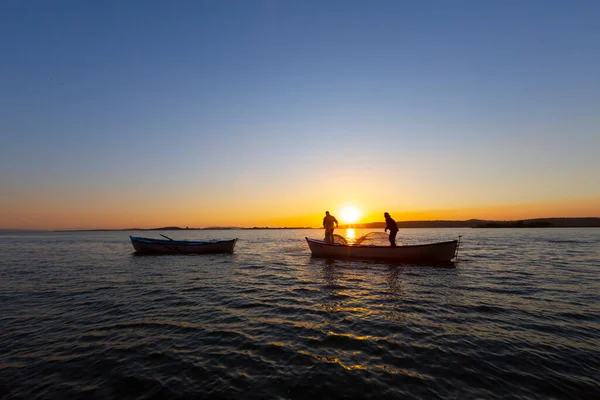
(82, 317)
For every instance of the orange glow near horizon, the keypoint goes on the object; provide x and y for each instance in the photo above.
(112, 213)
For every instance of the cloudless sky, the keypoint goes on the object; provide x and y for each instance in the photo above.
(198, 113)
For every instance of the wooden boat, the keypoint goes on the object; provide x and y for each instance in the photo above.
(433, 252)
(157, 246)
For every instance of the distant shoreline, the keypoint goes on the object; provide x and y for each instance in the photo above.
(175, 228)
(589, 222)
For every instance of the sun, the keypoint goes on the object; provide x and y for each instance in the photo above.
(349, 214)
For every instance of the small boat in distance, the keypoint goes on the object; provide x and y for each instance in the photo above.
(433, 252)
(170, 246)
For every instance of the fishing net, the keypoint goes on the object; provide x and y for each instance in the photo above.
(370, 239)
(339, 239)
(374, 239)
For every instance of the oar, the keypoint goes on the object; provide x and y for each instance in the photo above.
(165, 236)
(457, 247)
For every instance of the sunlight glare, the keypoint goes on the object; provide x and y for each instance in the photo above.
(349, 214)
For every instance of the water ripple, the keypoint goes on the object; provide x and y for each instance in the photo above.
(517, 317)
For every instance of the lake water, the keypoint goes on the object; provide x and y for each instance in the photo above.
(82, 317)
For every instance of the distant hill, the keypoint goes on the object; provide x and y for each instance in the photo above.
(543, 223)
(479, 223)
(419, 224)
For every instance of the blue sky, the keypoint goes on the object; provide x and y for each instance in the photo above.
(486, 101)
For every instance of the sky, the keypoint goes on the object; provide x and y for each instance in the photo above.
(121, 114)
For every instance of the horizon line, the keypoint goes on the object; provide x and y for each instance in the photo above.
(347, 225)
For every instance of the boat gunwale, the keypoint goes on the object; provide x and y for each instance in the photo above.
(178, 242)
(321, 242)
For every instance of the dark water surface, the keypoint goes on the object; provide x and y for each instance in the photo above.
(82, 317)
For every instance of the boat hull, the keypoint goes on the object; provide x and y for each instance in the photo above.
(434, 252)
(159, 246)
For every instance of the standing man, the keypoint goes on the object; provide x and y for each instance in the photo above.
(328, 222)
(392, 226)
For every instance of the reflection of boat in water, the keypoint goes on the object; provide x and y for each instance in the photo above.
(432, 252)
(158, 246)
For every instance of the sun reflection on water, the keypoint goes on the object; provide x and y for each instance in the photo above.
(350, 235)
